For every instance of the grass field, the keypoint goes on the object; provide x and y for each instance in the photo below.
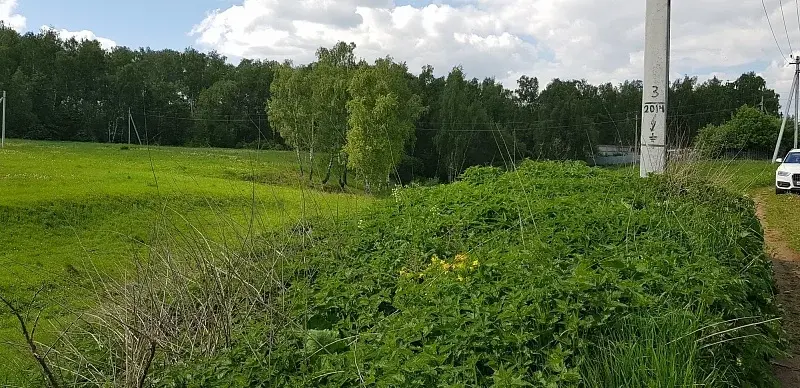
(70, 212)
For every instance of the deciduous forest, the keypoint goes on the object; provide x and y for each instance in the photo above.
(380, 118)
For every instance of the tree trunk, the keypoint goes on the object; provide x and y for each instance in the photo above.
(343, 176)
(299, 159)
(311, 164)
(451, 166)
(328, 173)
(311, 154)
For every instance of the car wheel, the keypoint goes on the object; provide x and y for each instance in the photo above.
(779, 191)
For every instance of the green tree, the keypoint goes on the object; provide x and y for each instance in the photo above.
(330, 79)
(254, 79)
(565, 128)
(220, 110)
(424, 158)
(527, 91)
(21, 119)
(290, 109)
(383, 111)
(462, 117)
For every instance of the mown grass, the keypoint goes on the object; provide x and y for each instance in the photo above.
(779, 212)
(71, 213)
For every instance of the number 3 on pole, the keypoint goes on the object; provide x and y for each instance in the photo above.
(655, 92)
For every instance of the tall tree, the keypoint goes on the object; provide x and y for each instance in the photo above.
(330, 78)
(291, 111)
(383, 111)
(461, 117)
(21, 119)
(221, 113)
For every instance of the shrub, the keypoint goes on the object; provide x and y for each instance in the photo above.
(748, 130)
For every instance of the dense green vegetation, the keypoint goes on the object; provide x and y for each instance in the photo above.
(550, 275)
(75, 213)
(748, 130)
(70, 90)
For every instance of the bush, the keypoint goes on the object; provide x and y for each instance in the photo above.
(551, 275)
(748, 130)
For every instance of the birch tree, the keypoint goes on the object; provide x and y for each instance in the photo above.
(290, 110)
(383, 111)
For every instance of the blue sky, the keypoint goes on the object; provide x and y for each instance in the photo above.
(154, 23)
(139, 23)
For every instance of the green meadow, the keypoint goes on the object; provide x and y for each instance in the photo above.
(73, 213)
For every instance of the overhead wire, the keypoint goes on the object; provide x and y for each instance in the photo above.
(510, 125)
(797, 9)
(532, 125)
(786, 27)
(766, 13)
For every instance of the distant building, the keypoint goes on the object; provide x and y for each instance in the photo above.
(609, 155)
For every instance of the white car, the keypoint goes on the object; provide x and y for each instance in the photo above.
(787, 178)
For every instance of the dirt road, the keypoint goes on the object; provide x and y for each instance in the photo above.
(786, 263)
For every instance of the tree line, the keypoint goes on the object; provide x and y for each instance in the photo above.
(377, 118)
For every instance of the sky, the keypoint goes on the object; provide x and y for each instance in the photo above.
(596, 40)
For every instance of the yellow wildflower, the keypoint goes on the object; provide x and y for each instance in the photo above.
(446, 266)
(460, 278)
(460, 265)
(475, 264)
(461, 257)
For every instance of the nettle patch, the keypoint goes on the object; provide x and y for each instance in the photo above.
(555, 274)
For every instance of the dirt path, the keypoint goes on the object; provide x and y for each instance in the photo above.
(786, 264)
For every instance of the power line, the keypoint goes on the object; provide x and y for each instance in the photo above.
(531, 125)
(766, 13)
(797, 8)
(509, 123)
(785, 27)
(179, 118)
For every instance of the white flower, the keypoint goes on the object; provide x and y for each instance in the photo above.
(396, 194)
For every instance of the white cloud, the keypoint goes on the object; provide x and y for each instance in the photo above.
(18, 23)
(9, 18)
(106, 43)
(593, 39)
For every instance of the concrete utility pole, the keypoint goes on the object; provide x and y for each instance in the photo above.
(794, 97)
(653, 155)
